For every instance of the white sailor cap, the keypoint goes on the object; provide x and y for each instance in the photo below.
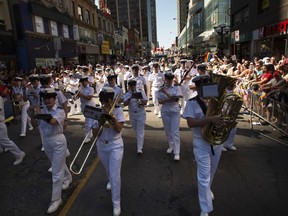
(18, 78)
(107, 89)
(48, 92)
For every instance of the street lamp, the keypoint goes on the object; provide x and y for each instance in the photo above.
(221, 30)
(186, 35)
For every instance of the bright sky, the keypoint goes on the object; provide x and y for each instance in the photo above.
(166, 10)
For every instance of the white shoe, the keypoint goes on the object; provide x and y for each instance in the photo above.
(232, 148)
(212, 195)
(169, 150)
(30, 128)
(22, 135)
(155, 112)
(67, 153)
(54, 205)
(108, 187)
(66, 184)
(116, 211)
(176, 157)
(87, 140)
(50, 169)
(42, 148)
(20, 158)
(139, 151)
(204, 214)
(224, 149)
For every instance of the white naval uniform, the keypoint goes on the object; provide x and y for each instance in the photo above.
(180, 72)
(110, 151)
(157, 81)
(206, 162)
(73, 88)
(140, 82)
(171, 117)
(55, 145)
(24, 107)
(137, 116)
(5, 142)
(88, 121)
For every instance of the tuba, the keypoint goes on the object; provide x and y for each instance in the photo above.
(226, 105)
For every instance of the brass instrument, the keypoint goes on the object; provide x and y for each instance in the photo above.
(225, 105)
(104, 121)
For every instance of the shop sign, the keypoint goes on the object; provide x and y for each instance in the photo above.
(276, 29)
(105, 48)
(237, 35)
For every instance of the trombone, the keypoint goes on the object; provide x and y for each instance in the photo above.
(101, 126)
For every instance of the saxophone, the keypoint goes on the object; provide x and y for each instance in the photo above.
(226, 105)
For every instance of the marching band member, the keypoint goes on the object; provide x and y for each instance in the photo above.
(61, 100)
(156, 80)
(120, 74)
(110, 146)
(169, 96)
(206, 159)
(5, 142)
(86, 98)
(183, 75)
(137, 113)
(73, 88)
(141, 81)
(100, 79)
(19, 94)
(126, 76)
(112, 79)
(55, 145)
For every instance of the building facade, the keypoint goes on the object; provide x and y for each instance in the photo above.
(259, 28)
(43, 33)
(136, 16)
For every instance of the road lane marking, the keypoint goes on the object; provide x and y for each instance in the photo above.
(79, 188)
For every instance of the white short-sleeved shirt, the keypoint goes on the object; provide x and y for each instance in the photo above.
(140, 82)
(51, 130)
(133, 105)
(170, 106)
(157, 79)
(193, 110)
(110, 133)
(88, 91)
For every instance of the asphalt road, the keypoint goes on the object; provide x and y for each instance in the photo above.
(252, 181)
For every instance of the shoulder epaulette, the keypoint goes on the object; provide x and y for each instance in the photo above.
(193, 98)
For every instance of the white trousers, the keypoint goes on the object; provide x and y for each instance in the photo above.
(155, 102)
(171, 122)
(138, 124)
(230, 141)
(6, 143)
(88, 124)
(185, 93)
(75, 107)
(24, 117)
(206, 167)
(55, 149)
(111, 155)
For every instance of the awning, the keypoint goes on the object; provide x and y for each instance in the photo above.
(207, 34)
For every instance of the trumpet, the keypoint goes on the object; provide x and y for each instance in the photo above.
(105, 121)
